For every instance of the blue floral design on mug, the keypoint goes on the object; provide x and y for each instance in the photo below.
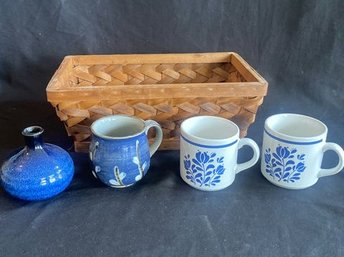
(284, 164)
(205, 169)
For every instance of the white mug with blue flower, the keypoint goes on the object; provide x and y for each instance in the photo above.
(293, 149)
(208, 152)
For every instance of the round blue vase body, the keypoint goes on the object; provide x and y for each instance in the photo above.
(38, 171)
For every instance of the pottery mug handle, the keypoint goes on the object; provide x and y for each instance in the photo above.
(255, 157)
(339, 151)
(158, 138)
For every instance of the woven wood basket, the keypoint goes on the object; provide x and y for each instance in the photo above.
(167, 88)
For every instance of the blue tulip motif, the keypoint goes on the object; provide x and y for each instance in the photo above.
(267, 156)
(220, 170)
(187, 162)
(300, 167)
(282, 164)
(205, 169)
(282, 152)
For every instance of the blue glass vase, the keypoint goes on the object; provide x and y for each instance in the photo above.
(39, 170)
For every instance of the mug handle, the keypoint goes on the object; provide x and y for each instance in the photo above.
(339, 151)
(158, 138)
(255, 157)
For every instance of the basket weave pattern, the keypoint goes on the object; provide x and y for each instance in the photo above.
(136, 74)
(165, 92)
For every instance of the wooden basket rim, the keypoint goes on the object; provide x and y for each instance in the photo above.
(56, 85)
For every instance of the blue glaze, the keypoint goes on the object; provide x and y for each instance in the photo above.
(204, 169)
(284, 164)
(120, 162)
(293, 142)
(208, 146)
(38, 171)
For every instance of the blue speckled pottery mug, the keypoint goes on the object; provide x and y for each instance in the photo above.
(120, 151)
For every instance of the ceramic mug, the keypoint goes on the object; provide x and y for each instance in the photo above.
(119, 149)
(293, 149)
(208, 152)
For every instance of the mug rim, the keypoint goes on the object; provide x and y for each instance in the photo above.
(317, 138)
(203, 141)
(111, 117)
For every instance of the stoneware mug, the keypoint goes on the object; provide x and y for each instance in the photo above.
(293, 149)
(208, 152)
(119, 149)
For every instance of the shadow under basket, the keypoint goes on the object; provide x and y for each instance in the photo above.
(167, 88)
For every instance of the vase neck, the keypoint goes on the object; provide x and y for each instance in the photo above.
(33, 137)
